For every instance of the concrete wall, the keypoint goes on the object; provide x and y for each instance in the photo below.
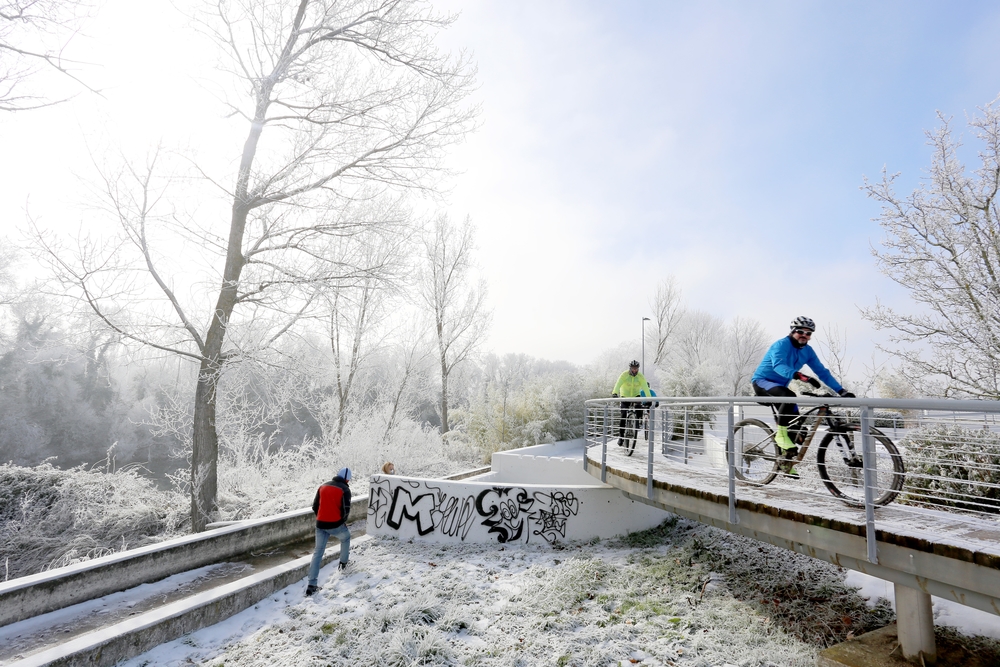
(535, 494)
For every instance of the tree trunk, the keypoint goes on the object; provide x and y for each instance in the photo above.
(444, 394)
(205, 438)
(205, 449)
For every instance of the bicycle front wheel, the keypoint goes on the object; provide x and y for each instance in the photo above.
(756, 452)
(841, 467)
(630, 434)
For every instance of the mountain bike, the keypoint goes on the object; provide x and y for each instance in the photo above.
(838, 457)
(636, 420)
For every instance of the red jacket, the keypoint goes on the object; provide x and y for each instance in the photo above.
(332, 504)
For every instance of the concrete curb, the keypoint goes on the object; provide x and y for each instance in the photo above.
(37, 594)
(130, 638)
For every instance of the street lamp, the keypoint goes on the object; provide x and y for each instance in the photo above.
(644, 320)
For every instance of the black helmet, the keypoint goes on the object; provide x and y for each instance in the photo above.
(803, 322)
(634, 363)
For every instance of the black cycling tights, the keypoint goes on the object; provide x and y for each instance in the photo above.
(786, 411)
(639, 410)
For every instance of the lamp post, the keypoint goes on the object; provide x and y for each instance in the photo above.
(644, 320)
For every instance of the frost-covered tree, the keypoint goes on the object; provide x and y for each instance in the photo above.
(457, 306)
(57, 398)
(33, 37)
(942, 243)
(357, 311)
(8, 282)
(668, 311)
(344, 105)
(744, 346)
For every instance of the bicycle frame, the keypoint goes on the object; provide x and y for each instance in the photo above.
(818, 415)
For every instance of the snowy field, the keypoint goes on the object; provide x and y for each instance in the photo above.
(681, 594)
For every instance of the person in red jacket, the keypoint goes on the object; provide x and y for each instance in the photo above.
(331, 507)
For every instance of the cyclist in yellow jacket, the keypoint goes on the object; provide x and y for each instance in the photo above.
(631, 384)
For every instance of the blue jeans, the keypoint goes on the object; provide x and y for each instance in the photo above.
(322, 536)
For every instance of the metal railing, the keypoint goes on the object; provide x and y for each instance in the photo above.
(921, 456)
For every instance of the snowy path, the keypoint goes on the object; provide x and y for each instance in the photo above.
(682, 595)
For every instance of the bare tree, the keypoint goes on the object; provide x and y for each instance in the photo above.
(457, 308)
(33, 37)
(699, 340)
(8, 282)
(836, 358)
(344, 102)
(412, 352)
(745, 345)
(943, 245)
(834, 346)
(358, 309)
(668, 311)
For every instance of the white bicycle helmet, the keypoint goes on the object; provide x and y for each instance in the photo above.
(803, 322)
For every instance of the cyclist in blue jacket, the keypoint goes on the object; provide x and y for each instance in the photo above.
(780, 365)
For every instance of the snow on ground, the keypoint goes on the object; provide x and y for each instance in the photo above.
(681, 594)
(965, 619)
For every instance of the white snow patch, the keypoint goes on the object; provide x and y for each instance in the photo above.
(967, 620)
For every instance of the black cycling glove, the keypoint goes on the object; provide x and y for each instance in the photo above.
(802, 377)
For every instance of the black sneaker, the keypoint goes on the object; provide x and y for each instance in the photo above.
(342, 567)
(311, 589)
(620, 442)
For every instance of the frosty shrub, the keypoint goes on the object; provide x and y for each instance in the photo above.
(50, 517)
(681, 383)
(884, 419)
(258, 478)
(952, 466)
(542, 410)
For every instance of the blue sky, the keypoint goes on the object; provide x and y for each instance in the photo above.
(723, 143)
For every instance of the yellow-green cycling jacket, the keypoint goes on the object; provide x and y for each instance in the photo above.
(630, 386)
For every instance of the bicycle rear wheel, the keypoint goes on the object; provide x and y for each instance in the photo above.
(840, 466)
(757, 453)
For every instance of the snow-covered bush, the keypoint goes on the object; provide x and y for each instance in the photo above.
(952, 466)
(259, 478)
(543, 409)
(879, 418)
(51, 518)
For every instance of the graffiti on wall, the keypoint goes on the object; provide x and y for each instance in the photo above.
(508, 513)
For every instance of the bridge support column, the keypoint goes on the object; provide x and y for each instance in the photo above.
(915, 624)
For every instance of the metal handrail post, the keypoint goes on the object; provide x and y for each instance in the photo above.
(604, 447)
(649, 458)
(586, 447)
(731, 468)
(685, 434)
(868, 459)
(663, 430)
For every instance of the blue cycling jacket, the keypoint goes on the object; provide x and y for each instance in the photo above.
(783, 360)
